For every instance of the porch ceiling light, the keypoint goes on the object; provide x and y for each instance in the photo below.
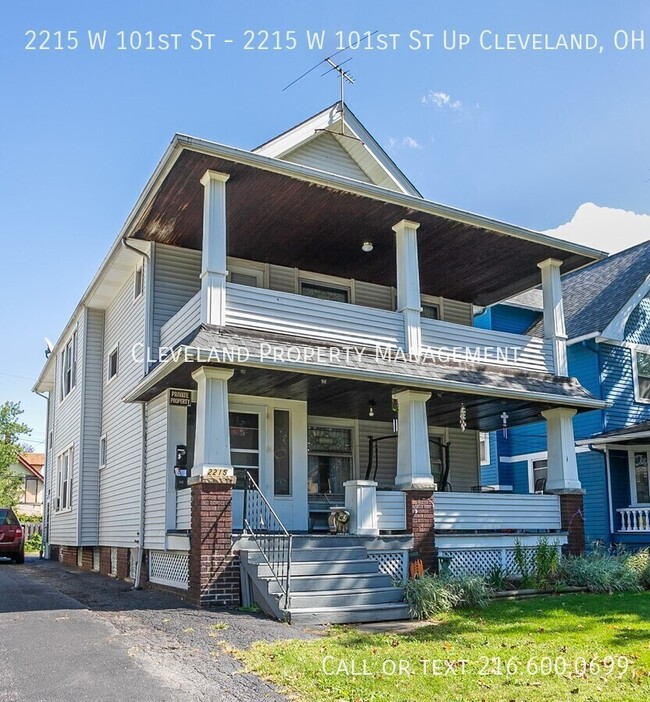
(371, 408)
(367, 246)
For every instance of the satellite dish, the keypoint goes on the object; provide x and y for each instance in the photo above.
(49, 347)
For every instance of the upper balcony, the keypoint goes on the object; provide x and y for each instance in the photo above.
(345, 324)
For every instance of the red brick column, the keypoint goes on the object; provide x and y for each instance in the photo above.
(123, 556)
(419, 521)
(87, 557)
(105, 560)
(573, 521)
(214, 566)
(68, 555)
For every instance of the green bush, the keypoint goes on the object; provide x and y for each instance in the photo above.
(639, 563)
(546, 563)
(472, 591)
(34, 543)
(600, 571)
(431, 594)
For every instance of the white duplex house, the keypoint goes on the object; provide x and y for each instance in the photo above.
(280, 332)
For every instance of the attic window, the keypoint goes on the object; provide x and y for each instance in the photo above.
(642, 376)
(69, 366)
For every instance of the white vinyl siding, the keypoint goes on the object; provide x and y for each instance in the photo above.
(66, 426)
(326, 154)
(282, 278)
(157, 478)
(387, 452)
(457, 312)
(176, 281)
(92, 388)
(371, 295)
(463, 460)
(183, 509)
(120, 478)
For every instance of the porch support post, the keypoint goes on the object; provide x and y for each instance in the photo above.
(563, 475)
(562, 463)
(213, 262)
(413, 462)
(408, 283)
(212, 444)
(554, 327)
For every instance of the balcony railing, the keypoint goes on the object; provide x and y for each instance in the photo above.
(354, 325)
(635, 519)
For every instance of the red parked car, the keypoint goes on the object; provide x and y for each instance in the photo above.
(12, 537)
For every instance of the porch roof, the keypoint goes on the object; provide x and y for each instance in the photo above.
(293, 215)
(636, 432)
(354, 379)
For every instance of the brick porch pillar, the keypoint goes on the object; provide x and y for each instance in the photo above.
(214, 567)
(419, 521)
(573, 522)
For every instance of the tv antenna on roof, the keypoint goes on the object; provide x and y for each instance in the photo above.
(344, 75)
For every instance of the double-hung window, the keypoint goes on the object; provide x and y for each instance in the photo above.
(64, 466)
(642, 376)
(330, 459)
(69, 366)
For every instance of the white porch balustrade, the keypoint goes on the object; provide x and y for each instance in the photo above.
(635, 519)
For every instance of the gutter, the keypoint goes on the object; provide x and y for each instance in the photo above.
(584, 337)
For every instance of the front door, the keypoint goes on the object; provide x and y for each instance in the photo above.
(269, 443)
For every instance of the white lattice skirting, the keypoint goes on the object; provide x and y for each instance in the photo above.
(481, 561)
(169, 568)
(393, 563)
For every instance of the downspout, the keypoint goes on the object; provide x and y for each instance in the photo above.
(143, 417)
(46, 513)
(603, 453)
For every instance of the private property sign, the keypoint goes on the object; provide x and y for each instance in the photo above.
(180, 397)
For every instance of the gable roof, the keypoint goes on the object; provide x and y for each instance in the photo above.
(33, 462)
(601, 296)
(334, 140)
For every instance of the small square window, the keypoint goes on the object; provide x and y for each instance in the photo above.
(112, 364)
(642, 362)
(430, 311)
(334, 293)
(137, 283)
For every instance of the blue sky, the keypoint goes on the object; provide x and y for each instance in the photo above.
(524, 136)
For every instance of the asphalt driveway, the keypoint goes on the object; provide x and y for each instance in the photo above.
(68, 635)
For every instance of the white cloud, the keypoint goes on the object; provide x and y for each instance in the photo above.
(405, 143)
(442, 101)
(604, 228)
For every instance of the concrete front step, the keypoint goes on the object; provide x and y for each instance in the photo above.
(311, 583)
(346, 615)
(345, 598)
(345, 567)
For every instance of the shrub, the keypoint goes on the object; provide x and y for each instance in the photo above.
(639, 563)
(432, 594)
(497, 578)
(429, 595)
(523, 564)
(599, 571)
(546, 561)
(472, 591)
(34, 543)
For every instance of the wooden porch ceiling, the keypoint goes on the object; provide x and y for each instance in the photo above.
(339, 397)
(279, 219)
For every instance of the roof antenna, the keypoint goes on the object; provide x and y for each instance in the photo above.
(344, 76)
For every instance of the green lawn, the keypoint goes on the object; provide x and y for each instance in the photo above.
(571, 647)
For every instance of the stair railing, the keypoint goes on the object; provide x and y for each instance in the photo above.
(270, 535)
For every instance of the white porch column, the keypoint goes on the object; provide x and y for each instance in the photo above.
(213, 263)
(408, 283)
(212, 444)
(554, 328)
(562, 463)
(413, 462)
(361, 503)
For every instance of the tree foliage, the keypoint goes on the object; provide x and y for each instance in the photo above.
(11, 428)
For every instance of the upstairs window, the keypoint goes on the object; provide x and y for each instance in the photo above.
(138, 283)
(334, 293)
(242, 275)
(642, 376)
(69, 366)
(102, 451)
(112, 365)
(430, 311)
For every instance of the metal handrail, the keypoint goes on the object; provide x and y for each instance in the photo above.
(270, 535)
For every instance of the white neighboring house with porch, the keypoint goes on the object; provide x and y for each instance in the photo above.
(299, 317)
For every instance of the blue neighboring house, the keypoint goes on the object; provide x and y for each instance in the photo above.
(607, 312)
